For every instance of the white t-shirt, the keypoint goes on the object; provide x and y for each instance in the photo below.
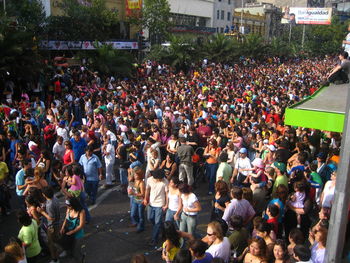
(158, 190)
(243, 164)
(109, 159)
(189, 203)
(59, 150)
(221, 250)
(63, 132)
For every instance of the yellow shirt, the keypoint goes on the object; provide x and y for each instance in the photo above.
(4, 170)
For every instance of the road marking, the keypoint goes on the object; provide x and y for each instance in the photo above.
(103, 197)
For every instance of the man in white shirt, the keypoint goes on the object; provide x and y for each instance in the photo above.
(242, 168)
(62, 131)
(58, 149)
(156, 197)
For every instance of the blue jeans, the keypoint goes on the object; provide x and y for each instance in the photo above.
(83, 204)
(123, 175)
(188, 223)
(91, 188)
(211, 175)
(137, 214)
(169, 216)
(154, 215)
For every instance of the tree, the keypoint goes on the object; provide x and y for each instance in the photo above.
(253, 46)
(17, 51)
(109, 61)
(19, 33)
(84, 22)
(220, 48)
(155, 17)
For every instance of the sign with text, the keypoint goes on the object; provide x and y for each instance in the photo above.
(307, 16)
(85, 45)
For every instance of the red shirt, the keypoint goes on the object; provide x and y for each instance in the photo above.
(274, 221)
(66, 157)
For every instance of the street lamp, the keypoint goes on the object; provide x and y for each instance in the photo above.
(242, 17)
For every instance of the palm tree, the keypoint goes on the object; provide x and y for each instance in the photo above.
(111, 61)
(253, 46)
(220, 48)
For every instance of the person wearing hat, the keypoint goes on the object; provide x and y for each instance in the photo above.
(242, 168)
(281, 178)
(156, 198)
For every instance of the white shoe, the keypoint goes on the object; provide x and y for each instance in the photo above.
(63, 254)
(53, 261)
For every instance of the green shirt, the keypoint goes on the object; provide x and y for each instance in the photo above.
(316, 178)
(282, 179)
(224, 171)
(239, 240)
(29, 235)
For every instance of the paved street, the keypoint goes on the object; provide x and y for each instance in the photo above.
(108, 237)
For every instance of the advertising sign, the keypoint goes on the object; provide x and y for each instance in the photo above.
(84, 45)
(307, 16)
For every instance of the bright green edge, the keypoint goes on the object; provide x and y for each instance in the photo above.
(320, 120)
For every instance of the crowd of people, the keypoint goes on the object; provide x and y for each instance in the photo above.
(160, 136)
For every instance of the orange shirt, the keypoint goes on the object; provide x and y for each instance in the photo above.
(213, 152)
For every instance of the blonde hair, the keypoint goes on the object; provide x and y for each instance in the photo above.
(14, 249)
(38, 172)
(217, 229)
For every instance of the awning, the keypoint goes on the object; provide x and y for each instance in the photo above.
(324, 110)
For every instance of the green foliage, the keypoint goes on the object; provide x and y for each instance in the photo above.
(253, 46)
(111, 62)
(84, 22)
(220, 48)
(28, 14)
(17, 50)
(156, 14)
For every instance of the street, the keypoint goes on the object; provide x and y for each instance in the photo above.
(108, 237)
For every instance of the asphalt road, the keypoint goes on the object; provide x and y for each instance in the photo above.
(108, 237)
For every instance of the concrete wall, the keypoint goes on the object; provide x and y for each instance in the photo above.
(283, 3)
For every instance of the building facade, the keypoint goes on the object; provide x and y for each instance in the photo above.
(192, 16)
(222, 16)
(259, 18)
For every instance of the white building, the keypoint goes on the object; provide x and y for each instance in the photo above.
(195, 16)
(222, 17)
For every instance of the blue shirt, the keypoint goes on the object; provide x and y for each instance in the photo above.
(78, 148)
(20, 181)
(207, 259)
(90, 166)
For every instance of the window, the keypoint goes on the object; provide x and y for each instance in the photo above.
(222, 14)
(228, 16)
(221, 30)
(217, 30)
(229, 2)
(218, 14)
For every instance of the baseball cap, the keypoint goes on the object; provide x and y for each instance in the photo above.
(243, 150)
(258, 162)
(280, 166)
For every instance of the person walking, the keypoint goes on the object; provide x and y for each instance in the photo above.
(185, 152)
(156, 197)
(93, 172)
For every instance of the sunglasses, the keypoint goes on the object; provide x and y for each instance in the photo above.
(212, 234)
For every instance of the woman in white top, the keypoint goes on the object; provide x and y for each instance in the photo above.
(174, 201)
(327, 195)
(173, 144)
(220, 246)
(190, 209)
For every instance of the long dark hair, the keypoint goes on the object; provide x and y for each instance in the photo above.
(170, 233)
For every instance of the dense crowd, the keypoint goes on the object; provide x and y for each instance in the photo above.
(161, 135)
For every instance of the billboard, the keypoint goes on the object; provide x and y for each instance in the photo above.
(307, 16)
(85, 45)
